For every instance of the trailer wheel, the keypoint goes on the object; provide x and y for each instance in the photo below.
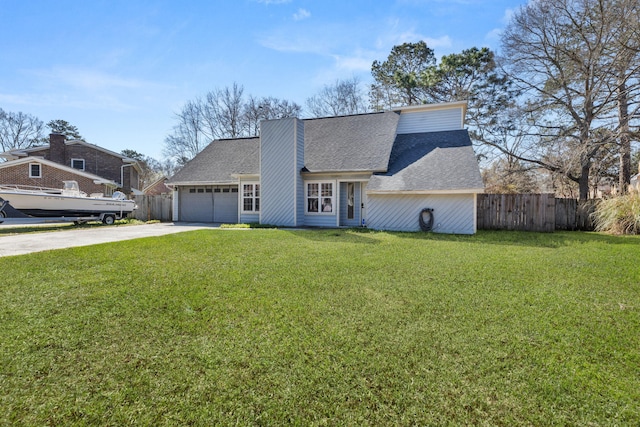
(109, 219)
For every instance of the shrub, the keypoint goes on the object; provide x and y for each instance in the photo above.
(619, 215)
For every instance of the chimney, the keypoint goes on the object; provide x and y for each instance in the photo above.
(57, 148)
(281, 159)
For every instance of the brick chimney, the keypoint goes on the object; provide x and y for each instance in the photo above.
(57, 148)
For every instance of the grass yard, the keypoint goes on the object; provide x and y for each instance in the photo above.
(326, 327)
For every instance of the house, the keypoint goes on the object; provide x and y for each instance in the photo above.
(157, 187)
(380, 170)
(96, 169)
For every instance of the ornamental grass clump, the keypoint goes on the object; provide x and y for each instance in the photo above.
(619, 215)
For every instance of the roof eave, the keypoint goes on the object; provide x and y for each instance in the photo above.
(424, 192)
(198, 183)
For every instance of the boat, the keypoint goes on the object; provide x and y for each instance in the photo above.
(68, 201)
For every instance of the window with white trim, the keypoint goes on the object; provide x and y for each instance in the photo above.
(320, 198)
(35, 170)
(77, 164)
(250, 197)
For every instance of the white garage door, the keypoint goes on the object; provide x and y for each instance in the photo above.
(209, 204)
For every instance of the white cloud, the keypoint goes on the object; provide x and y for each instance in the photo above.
(87, 79)
(508, 14)
(494, 35)
(301, 14)
(439, 43)
(83, 89)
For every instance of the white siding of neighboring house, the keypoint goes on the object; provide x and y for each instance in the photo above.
(176, 204)
(279, 171)
(430, 121)
(454, 213)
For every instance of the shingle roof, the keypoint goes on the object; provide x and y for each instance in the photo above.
(434, 161)
(220, 160)
(349, 143)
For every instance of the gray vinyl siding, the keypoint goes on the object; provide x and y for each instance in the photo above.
(430, 121)
(454, 214)
(299, 202)
(246, 218)
(278, 172)
(320, 221)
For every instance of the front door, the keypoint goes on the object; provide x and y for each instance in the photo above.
(350, 203)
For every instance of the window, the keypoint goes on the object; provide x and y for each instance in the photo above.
(320, 197)
(35, 170)
(251, 197)
(77, 164)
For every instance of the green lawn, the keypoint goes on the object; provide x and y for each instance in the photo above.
(276, 327)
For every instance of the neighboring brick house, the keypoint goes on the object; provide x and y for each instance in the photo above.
(157, 187)
(96, 169)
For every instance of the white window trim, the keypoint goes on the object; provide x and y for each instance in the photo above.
(253, 197)
(334, 207)
(78, 160)
(39, 169)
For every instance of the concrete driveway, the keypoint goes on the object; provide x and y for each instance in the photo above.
(19, 244)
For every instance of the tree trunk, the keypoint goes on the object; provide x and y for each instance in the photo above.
(624, 175)
(583, 183)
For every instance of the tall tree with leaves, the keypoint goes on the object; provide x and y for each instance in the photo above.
(19, 130)
(64, 128)
(398, 80)
(473, 76)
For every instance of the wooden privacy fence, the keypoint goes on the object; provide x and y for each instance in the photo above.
(532, 212)
(158, 207)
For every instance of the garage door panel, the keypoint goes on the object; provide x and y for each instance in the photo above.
(225, 207)
(196, 206)
(209, 204)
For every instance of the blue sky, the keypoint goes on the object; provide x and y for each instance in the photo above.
(120, 70)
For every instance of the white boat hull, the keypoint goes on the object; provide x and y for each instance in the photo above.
(45, 205)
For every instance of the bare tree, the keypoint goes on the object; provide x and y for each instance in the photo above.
(187, 138)
(19, 130)
(267, 108)
(222, 113)
(558, 52)
(625, 56)
(342, 98)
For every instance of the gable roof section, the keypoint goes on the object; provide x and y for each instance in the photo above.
(96, 179)
(430, 162)
(219, 162)
(349, 143)
(22, 152)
